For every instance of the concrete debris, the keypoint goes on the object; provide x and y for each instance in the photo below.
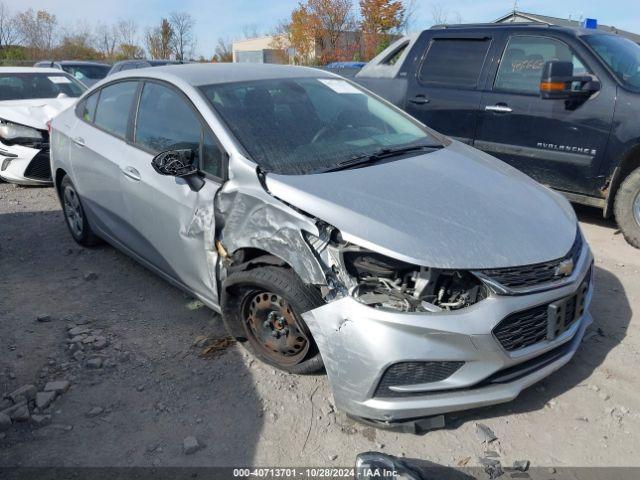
(5, 422)
(90, 276)
(492, 467)
(333, 457)
(20, 413)
(94, 412)
(95, 362)
(61, 426)
(521, 465)
(190, 445)
(40, 420)
(100, 343)
(485, 434)
(79, 330)
(43, 318)
(26, 391)
(44, 399)
(58, 386)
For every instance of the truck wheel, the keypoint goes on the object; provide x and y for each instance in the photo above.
(262, 309)
(627, 208)
(74, 215)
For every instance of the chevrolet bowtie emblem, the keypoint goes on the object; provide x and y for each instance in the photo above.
(564, 268)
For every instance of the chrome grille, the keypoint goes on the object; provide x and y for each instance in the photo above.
(536, 274)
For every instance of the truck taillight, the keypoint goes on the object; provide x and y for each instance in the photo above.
(49, 126)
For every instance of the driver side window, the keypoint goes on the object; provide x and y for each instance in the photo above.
(524, 58)
(165, 121)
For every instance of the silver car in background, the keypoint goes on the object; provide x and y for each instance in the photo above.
(331, 229)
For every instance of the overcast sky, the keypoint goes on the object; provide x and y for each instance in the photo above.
(226, 18)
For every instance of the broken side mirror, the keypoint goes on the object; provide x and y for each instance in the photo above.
(559, 83)
(179, 163)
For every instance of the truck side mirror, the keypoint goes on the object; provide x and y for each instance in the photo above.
(557, 82)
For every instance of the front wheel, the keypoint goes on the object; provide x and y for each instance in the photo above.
(627, 208)
(262, 308)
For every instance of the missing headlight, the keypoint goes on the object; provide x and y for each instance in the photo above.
(383, 282)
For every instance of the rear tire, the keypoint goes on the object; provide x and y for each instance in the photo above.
(74, 215)
(627, 208)
(261, 309)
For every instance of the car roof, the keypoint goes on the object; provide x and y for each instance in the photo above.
(73, 62)
(31, 70)
(197, 74)
(521, 26)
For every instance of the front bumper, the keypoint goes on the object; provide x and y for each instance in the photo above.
(358, 344)
(25, 165)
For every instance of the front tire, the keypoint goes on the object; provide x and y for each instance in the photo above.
(627, 208)
(262, 309)
(74, 215)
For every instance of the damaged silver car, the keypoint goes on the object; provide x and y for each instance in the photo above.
(331, 230)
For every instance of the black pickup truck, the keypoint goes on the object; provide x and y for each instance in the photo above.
(560, 104)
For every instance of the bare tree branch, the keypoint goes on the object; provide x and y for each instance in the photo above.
(182, 24)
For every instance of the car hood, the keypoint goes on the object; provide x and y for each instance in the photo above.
(453, 208)
(35, 112)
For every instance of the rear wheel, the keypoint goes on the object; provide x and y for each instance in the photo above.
(262, 308)
(74, 215)
(627, 208)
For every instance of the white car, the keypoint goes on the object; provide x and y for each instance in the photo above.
(29, 98)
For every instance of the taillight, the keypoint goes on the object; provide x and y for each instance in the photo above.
(49, 126)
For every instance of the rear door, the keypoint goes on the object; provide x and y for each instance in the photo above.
(96, 150)
(557, 144)
(445, 92)
(173, 226)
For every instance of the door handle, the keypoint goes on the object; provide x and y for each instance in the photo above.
(498, 108)
(132, 173)
(79, 141)
(419, 100)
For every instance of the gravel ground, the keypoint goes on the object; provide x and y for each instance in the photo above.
(158, 384)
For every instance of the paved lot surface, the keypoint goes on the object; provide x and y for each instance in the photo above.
(154, 387)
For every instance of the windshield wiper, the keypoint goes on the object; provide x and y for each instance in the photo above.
(358, 160)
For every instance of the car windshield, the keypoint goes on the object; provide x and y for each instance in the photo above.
(92, 72)
(303, 125)
(23, 86)
(620, 54)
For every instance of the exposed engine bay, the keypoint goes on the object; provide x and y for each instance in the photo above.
(383, 282)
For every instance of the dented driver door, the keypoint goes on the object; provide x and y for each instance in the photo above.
(172, 225)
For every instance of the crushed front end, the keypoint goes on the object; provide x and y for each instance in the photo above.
(403, 342)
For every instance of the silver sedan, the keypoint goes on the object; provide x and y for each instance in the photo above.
(331, 230)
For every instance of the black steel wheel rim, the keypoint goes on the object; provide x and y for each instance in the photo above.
(274, 329)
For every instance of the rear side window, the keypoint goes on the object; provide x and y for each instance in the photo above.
(454, 62)
(393, 58)
(87, 108)
(114, 105)
(522, 62)
(165, 121)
